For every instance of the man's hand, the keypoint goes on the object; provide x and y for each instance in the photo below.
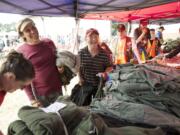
(145, 30)
(81, 81)
(102, 75)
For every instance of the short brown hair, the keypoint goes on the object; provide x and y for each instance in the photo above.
(18, 65)
(121, 27)
(162, 28)
(152, 29)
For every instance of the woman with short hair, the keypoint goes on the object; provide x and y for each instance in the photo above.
(15, 73)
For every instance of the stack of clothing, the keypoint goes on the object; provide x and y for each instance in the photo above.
(142, 94)
(139, 100)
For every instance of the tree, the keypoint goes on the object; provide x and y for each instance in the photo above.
(7, 27)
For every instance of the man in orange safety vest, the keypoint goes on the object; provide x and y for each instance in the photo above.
(121, 46)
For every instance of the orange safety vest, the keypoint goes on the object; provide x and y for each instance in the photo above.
(121, 52)
(151, 48)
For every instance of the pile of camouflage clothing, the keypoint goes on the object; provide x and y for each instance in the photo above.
(170, 45)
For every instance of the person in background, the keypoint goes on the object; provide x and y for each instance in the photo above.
(153, 47)
(159, 34)
(93, 61)
(121, 46)
(106, 48)
(15, 73)
(46, 86)
(140, 41)
(7, 41)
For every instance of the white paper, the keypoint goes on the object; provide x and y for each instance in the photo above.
(55, 107)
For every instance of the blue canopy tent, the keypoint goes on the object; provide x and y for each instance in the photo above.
(74, 8)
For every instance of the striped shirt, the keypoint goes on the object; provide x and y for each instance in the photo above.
(91, 66)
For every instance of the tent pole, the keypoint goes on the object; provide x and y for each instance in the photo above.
(76, 43)
(129, 27)
(44, 27)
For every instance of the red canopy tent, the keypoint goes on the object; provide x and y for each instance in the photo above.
(170, 10)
